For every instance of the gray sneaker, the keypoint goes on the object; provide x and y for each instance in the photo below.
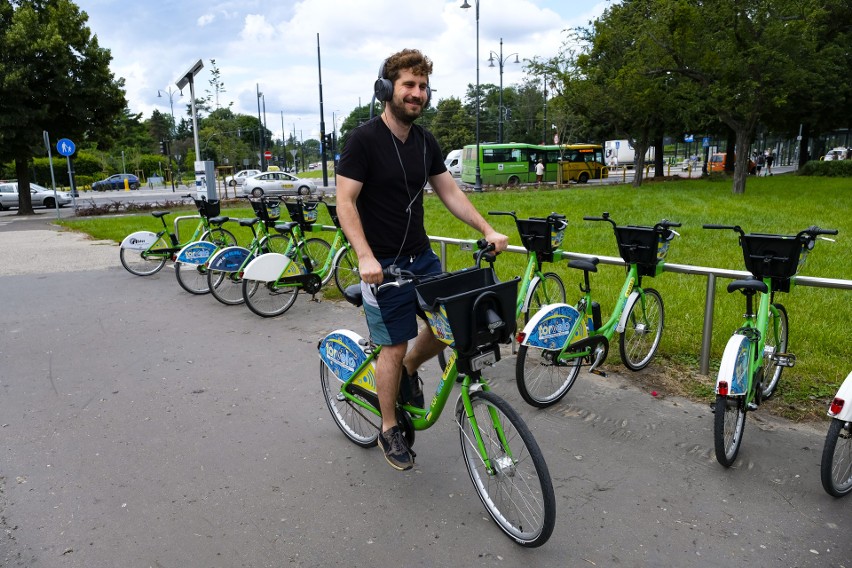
(396, 449)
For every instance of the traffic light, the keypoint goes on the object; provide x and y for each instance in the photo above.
(163, 147)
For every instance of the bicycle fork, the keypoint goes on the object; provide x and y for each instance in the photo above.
(503, 464)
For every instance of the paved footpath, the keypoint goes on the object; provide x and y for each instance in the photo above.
(142, 426)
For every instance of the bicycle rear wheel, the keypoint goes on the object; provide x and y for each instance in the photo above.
(358, 424)
(317, 250)
(836, 466)
(776, 338)
(135, 262)
(192, 277)
(220, 237)
(227, 287)
(542, 380)
(345, 268)
(728, 427)
(641, 336)
(549, 290)
(516, 490)
(268, 299)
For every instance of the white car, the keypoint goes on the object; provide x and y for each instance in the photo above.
(240, 177)
(38, 194)
(277, 183)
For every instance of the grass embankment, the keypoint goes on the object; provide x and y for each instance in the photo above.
(778, 204)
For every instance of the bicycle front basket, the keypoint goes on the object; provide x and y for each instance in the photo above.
(541, 236)
(303, 212)
(460, 302)
(773, 256)
(642, 245)
(208, 208)
(267, 211)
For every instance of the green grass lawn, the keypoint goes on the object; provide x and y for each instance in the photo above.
(778, 204)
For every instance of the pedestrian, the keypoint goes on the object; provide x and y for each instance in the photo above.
(759, 162)
(769, 160)
(539, 172)
(383, 171)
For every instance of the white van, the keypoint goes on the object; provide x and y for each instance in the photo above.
(453, 162)
(838, 153)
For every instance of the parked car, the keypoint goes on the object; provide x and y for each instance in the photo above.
(240, 177)
(116, 182)
(277, 183)
(838, 153)
(38, 194)
(717, 163)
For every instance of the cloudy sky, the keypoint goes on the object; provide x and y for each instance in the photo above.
(273, 46)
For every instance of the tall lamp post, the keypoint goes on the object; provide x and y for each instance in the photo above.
(478, 185)
(171, 93)
(501, 61)
(260, 127)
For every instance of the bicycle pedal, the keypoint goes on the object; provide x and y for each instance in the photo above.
(784, 359)
(598, 372)
(752, 406)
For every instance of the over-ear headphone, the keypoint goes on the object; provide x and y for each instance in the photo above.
(383, 87)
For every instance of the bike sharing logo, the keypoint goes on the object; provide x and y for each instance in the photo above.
(554, 329)
(342, 358)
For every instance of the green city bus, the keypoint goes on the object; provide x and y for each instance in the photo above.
(513, 164)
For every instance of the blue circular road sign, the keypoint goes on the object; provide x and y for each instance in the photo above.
(65, 147)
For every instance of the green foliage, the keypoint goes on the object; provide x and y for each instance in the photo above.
(832, 168)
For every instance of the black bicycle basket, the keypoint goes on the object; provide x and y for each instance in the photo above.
(541, 236)
(644, 246)
(462, 300)
(332, 211)
(774, 256)
(267, 211)
(208, 208)
(303, 212)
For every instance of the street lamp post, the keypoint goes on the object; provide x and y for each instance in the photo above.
(171, 93)
(501, 61)
(478, 185)
(260, 127)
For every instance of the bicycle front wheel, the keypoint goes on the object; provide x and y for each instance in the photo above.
(136, 262)
(220, 237)
(515, 488)
(643, 330)
(542, 379)
(358, 424)
(345, 268)
(227, 287)
(549, 290)
(776, 338)
(316, 249)
(836, 467)
(192, 277)
(268, 299)
(728, 427)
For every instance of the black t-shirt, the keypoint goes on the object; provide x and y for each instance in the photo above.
(393, 173)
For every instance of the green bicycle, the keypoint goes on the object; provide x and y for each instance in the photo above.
(560, 339)
(757, 352)
(472, 312)
(144, 253)
(271, 282)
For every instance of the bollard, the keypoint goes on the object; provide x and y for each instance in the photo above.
(126, 184)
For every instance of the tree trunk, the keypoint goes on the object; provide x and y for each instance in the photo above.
(25, 201)
(743, 137)
(803, 144)
(659, 165)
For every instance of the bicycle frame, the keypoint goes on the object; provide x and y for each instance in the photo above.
(532, 274)
(153, 245)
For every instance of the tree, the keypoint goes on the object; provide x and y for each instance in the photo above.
(54, 77)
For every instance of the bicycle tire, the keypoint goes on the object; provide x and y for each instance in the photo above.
(268, 299)
(192, 278)
(227, 287)
(220, 237)
(353, 421)
(539, 376)
(135, 263)
(777, 340)
(317, 250)
(728, 427)
(644, 321)
(836, 465)
(345, 269)
(548, 290)
(519, 489)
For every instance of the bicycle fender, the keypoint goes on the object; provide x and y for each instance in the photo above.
(229, 259)
(196, 253)
(140, 240)
(553, 327)
(845, 394)
(628, 305)
(270, 267)
(734, 366)
(342, 351)
(527, 300)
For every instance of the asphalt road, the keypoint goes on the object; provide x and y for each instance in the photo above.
(144, 427)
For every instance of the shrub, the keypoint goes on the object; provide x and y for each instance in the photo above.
(834, 168)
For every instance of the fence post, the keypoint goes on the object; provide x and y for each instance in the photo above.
(707, 332)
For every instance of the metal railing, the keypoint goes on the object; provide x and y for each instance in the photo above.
(711, 273)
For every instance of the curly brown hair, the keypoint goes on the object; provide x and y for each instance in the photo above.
(411, 59)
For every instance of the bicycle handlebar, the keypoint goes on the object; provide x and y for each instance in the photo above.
(663, 225)
(400, 277)
(812, 232)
